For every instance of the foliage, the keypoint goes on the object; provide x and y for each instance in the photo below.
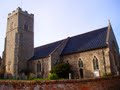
(53, 76)
(62, 70)
(40, 79)
(106, 75)
(31, 76)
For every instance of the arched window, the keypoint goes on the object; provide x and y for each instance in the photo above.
(26, 27)
(39, 67)
(80, 63)
(95, 63)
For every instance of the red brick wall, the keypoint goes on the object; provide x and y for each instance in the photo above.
(112, 83)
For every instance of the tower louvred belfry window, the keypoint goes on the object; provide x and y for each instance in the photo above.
(26, 27)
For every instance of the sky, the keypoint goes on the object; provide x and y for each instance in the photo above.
(58, 19)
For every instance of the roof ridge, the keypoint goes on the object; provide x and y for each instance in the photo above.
(87, 43)
(71, 37)
(78, 43)
(89, 32)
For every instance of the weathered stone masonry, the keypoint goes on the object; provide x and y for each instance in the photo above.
(19, 42)
(90, 54)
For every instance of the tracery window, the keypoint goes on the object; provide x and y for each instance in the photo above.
(80, 63)
(81, 72)
(39, 69)
(95, 63)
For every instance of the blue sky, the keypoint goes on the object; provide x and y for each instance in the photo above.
(58, 19)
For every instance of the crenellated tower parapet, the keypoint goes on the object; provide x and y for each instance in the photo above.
(20, 11)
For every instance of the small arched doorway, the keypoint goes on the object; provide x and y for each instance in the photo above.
(81, 72)
(80, 63)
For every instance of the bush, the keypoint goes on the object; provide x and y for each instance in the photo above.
(53, 76)
(106, 75)
(40, 79)
(31, 76)
(62, 70)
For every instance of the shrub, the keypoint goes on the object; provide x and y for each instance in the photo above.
(40, 79)
(106, 75)
(62, 70)
(53, 76)
(31, 76)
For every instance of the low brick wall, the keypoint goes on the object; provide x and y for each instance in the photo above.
(112, 83)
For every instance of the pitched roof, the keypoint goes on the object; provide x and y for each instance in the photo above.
(87, 41)
(45, 50)
(83, 42)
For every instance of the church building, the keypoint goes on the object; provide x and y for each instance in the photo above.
(92, 54)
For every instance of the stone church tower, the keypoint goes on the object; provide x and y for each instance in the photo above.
(19, 41)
